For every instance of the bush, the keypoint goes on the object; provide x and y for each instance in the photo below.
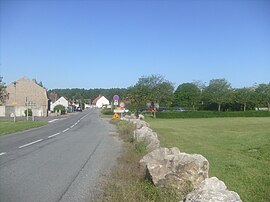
(107, 112)
(58, 108)
(210, 114)
(29, 112)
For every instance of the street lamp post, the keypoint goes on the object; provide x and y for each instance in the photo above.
(15, 84)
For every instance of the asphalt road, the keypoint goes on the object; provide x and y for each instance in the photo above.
(62, 161)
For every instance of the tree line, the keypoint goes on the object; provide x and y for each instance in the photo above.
(155, 91)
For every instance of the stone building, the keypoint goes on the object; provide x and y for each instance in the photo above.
(25, 90)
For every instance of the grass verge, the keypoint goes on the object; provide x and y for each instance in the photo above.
(127, 182)
(238, 149)
(7, 127)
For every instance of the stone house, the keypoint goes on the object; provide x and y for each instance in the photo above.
(22, 91)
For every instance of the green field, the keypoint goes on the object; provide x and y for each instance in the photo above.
(238, 149)
(7, 127)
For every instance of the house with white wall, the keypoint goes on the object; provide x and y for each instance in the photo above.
(100, 101)
(61, 101)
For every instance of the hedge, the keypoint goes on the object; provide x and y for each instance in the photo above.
(210, 114)
(107, 112)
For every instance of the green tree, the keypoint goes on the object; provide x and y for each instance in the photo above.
(60, 108)
(152, 88)
(187, 95)
(218, 92)
(137, 96)
(263, 95)
(243, 96)
(3, 92)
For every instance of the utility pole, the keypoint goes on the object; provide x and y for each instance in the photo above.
(27, 107)
(15, 84)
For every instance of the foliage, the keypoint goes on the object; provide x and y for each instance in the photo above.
(238, 149)
(263, 95)
(61, 108)
(211, 114)
(90, 94)
(187, 95)
(7, 127)
(29, 112)
(154, 89)
(218, 92)
(3, 92)
(107, 112)
(218, 95)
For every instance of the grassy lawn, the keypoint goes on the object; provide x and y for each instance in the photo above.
(7, 127)
(238, 149)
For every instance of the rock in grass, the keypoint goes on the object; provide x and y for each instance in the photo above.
(171, 168)
(148, 136)
(212, 190)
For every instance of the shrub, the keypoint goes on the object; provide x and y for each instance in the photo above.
(29, 112)
(210, 114)
(60, 107)
(107, 112)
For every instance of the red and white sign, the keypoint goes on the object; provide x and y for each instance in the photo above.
(122, 104)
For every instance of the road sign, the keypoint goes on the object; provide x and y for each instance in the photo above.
(115, 103)
(122, 104)
(116, 97)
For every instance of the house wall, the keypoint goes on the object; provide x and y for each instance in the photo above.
(60, 101)
(36, 95)
(102, 101)
(2, 111)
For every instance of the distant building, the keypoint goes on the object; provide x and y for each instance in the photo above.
(100, 101)
(22, 91)
(61, 101)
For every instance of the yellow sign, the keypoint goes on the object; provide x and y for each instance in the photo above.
(116, 116)
(14, 103)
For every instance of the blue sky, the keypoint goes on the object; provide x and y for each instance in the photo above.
(105, 44)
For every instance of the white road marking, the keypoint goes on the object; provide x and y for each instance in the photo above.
(2, 153)
(53, 135)
(30, 143)
(52, 120)
(65, 130)
(72, 126)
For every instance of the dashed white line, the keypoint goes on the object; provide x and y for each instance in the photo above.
(30, 143)
(2, 153)
(52, 120)
(65, 130)
(72, 126)
(53, 135)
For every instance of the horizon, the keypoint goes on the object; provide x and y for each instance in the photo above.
(111, 44)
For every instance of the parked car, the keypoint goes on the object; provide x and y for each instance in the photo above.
(179, 109)
(162, 109)
(79, 109)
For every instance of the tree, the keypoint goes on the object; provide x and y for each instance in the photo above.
(243, 96)
(152, 88)
(60, 108)
(263, 95)
(137, 96)
(3, 92)
(187, 95)
(218, 92)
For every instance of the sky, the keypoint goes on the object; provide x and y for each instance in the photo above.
(112, 43)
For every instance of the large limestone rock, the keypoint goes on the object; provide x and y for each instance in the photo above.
(146, 134)
(212, 190)
(169, 167)
(139, 123)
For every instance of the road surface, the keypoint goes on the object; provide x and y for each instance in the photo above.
(62, 161)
